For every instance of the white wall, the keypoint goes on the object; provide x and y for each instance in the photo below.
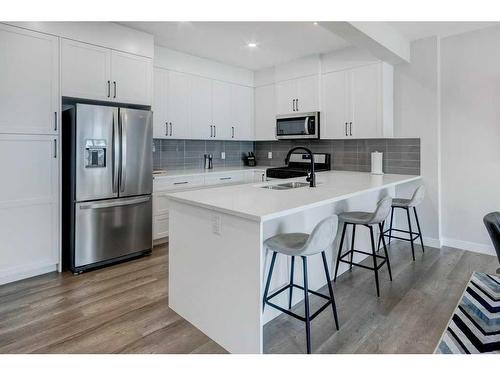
(182, 62)
(470, 66)
(416, 115)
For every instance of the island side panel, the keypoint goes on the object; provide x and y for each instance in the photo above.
(215, 279)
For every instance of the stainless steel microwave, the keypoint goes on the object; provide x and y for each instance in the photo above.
(298, 126)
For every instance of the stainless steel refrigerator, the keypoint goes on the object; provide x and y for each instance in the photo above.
(107, 159)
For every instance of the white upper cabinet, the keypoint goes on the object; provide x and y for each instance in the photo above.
(177, 99)
(221, 110)
(242, 112)
(92, 72)
(160, 124)
(131, 76)
(297, 95)
(29, 81)
(86, 70)
(200, 107)
(286, 94)
(265, 113)
(357, 103)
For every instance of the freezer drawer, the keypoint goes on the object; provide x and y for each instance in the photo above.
(112, 228)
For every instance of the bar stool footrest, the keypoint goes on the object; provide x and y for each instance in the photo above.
(384, 260)
(417, 235)
(288, 312)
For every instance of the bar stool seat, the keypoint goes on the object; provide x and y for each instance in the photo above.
(291, 244)
(367, 219)
(303, 245)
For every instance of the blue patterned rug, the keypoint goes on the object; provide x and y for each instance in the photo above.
(475, 324)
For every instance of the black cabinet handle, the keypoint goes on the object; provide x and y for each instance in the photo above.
(109, 89)
(225, 178)
(166, 129)
(114, 85)
(350, 129)
(215, 131)
(346, 130)
(297, 104)
(55, 148)
(232, 131)
(55, 121)
(181, 183)
(170, 129)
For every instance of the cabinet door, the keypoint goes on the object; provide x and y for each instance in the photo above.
(200, 107)
(85, 70)
(265, 113)
(366, 102)
(242, 126)
(160, 125)
(307, 94)
(131, 77)
(286, 93)
(221, 109)
(334, 121)
(177, 97)
(29, 82)
(29, 206)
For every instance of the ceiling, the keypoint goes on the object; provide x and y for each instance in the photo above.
(277, 42)
(227, 42)
(418, 30)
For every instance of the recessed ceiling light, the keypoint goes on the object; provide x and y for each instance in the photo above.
(315, 23)
(252, 45)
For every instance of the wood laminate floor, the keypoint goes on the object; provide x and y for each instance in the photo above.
(123, 309)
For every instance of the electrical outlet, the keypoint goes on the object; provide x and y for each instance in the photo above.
(270, 155)
(222, 155)
(216, 224)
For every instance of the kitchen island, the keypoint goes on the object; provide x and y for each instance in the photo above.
(217, 261)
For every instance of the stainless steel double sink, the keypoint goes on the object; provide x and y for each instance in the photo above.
(286, 186)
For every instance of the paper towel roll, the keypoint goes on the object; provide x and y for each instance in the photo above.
(377, 162)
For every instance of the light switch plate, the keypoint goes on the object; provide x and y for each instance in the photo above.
(270, 155)
(216, 224)
(222, 155)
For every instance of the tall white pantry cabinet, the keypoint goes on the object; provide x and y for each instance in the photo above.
(29, 153)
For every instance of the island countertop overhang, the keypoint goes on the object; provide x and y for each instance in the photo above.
(252, 202)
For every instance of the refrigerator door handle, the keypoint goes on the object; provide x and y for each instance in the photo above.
(118, 203)
(123, 151)
(116, 153)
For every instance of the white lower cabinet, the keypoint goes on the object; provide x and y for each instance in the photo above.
(29, 206)
(165, 185)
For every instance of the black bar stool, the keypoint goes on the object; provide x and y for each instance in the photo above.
(303, 245)
(367, 219)
(492, 223)
(407, 204)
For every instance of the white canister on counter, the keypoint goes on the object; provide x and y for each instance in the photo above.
(377, 162)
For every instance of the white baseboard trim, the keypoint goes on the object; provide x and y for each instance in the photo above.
(432, 242)
(25, 272)
(470, 246)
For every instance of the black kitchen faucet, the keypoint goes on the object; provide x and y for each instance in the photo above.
(312, 177)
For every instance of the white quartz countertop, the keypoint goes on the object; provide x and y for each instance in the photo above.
(252, 202)
(201, 171)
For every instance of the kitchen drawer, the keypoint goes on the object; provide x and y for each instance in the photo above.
(177, 183)
(225, 178)
(160, 226)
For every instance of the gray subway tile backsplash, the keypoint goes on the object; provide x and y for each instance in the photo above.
(401, 155)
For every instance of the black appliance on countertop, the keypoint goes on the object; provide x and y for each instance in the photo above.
(299, 166)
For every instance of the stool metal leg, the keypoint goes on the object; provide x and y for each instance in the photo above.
(390, 226)
(268, 282)
(419, 231)
(411, 234)
(330, 290)
(352, 245)
(306, 302)
(385, 251)
(291, 283)
(339, 253)
(381, 235)
(374, 260)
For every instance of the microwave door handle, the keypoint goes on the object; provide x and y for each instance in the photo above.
(306, 126)
(116, 152)
(123, 146)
